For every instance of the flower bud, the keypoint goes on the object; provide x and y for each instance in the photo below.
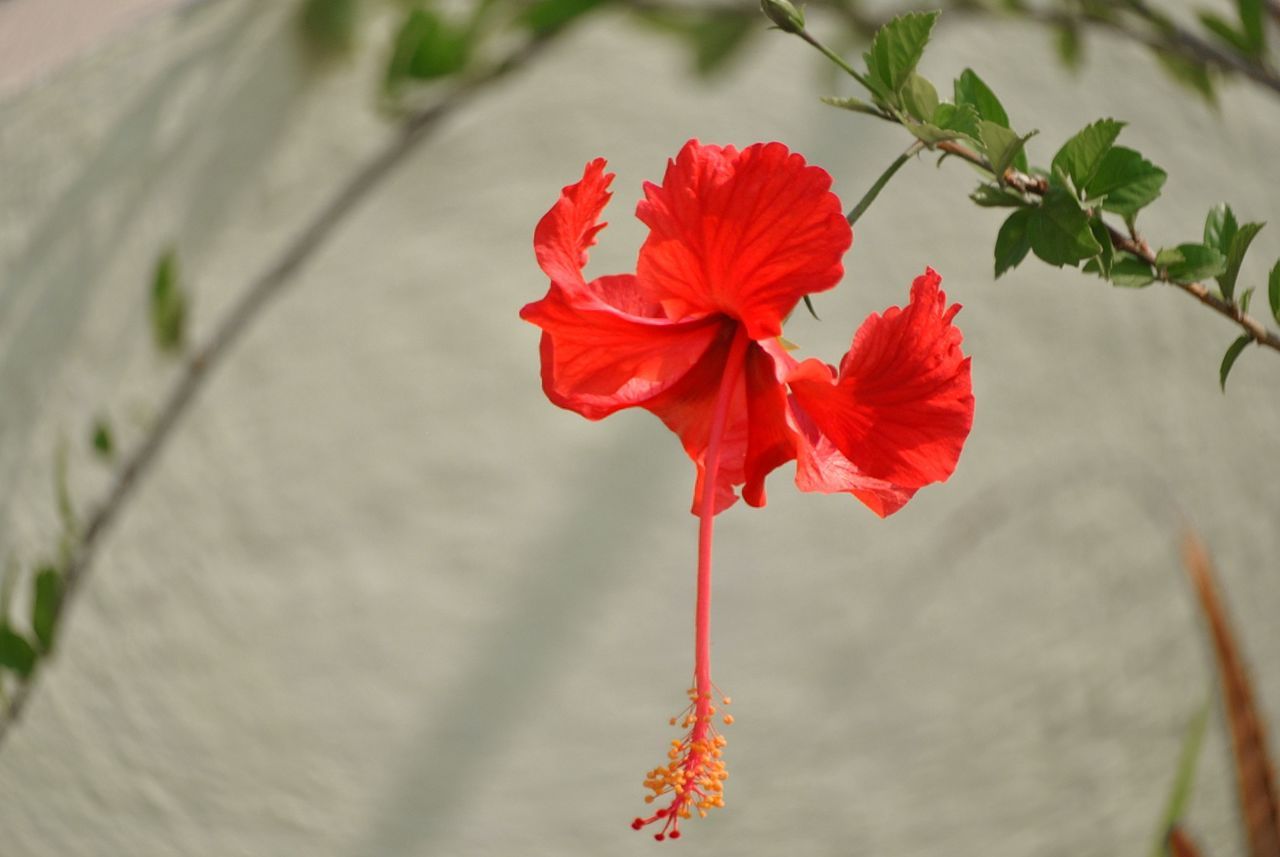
(784, 14)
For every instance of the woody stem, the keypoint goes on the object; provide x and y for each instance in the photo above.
(706, 522)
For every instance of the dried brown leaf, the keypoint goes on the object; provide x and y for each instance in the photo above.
(1255, 777)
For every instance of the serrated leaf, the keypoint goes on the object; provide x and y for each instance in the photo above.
(1128, 181)
(1130, 272)
(995, 196)
(1001, 145)
(970, 90)
(16, 654)
(1188, 263)
(1273, 291)
(1081, 156)
(717, 38)
(1059, 231)
(1013, 241)
(1220, 227)
(919, 97)
(962, 118)
(44, 607)
(168, 304)
(855, 104)
(897, 47)
(1235, 257)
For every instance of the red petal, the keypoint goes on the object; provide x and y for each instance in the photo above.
(596, 358)
(564, 233)
(745, 233)
(820, 467)
(903, 404)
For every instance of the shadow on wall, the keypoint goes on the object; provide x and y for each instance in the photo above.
(234, 76)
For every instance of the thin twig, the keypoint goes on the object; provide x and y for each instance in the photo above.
(241, 315)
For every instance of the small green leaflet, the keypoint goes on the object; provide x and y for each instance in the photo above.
(428, 47)
(1184, 778)
(970, 90)
(919, 97)
(1229, 359)
(44, 607)
(855, 104)
(1002, 146)
(897, 47)
(16, 654)
(1081, 156)
(329, 26)
(101, 439)
(1235, 256)
(717, 38)
(1273, 291)
(994, 196)
(1130, 272)
(1188, 263)
(1013, 241)
(1220, 227)
(168, 304)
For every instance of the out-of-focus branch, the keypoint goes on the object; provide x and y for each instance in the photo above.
(230, 329)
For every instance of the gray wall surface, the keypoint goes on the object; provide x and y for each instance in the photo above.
(380, 597)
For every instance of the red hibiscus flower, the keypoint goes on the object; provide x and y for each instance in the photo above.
(736, 239)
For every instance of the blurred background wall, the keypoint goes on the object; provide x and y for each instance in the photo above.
(380, 597)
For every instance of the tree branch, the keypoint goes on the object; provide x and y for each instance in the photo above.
(231, 328)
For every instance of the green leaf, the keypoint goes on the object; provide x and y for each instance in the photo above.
(1188, 263)
(717, 38)
(1001, 145)
(1251, 27)
(547, 16)
(855, 104)
(1220, 228)
(1192, 74)
(962, 118)
(428, 47)
(1184, 777)
(1235, 256)
(897, 48)
(1013, 241)
(931, 134)
(329, 26)
(1127, 180)
(1229, 359)
(995, 196)
(102, 440)
(1103, 237)
(970, 90)
(1081, 156)
(1273, 291)
(1245, 299)
(1130, 272)
(1236, 40)
(168, 304)
(44, 608)
(16, 654)
(1059, 231)
(1067, 42)
(919, 97)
